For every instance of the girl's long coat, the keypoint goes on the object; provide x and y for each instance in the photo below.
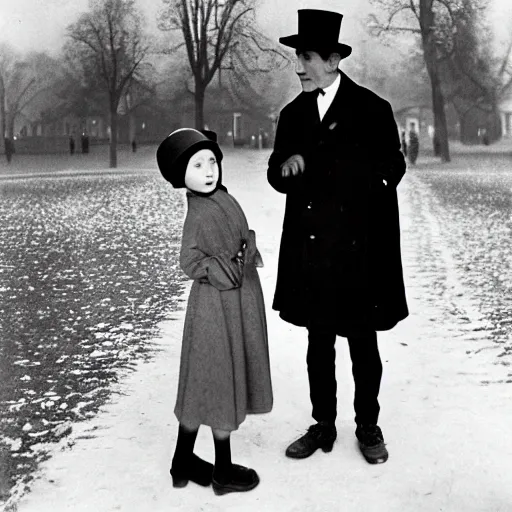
(224, 369)
(339, 261)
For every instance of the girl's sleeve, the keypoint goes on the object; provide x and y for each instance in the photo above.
(253, 254)
(223, 270)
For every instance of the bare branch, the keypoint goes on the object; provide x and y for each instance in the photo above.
(219, 35)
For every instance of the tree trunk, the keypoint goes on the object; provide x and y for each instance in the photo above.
(495, 128)
(466, 136)
(132, 127)
(10, 125)
(440, 128)
(113, 135)
(2, 116)
(2, 111)
(199, 104)
(441, 145)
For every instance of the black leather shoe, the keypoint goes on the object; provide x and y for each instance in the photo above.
(239, 479)
(195, 469)
(371, 443)
(322, 435)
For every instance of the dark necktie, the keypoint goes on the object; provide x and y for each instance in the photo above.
(314, 96)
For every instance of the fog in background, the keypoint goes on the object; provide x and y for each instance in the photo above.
(40, 25)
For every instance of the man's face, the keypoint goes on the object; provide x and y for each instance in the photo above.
(313, 71)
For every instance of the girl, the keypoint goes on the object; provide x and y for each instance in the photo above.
(224, 369)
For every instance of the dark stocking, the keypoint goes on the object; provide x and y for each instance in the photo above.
(185, 444)
(186, 465)
(223, 465)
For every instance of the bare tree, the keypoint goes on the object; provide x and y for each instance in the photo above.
(138, 94)
(484, 73)
(218, 35)
(465, 75)
(503, 69)
(8, 59)
(77, 94)
(23, 79)
(108, 43)
(433, 22)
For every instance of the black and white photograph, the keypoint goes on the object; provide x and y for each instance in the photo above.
(255, 255)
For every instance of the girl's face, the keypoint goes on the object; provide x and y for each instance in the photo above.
(202, 172)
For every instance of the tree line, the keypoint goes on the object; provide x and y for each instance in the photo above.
(465, 69)
(108, 62)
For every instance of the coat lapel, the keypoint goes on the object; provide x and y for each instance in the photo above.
(339, 115)
(310, 119)
(341, 109)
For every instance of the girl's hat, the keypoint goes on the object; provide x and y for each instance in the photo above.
(175, 151)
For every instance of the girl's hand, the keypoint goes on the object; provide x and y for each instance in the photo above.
(240, 255)
(252, 255)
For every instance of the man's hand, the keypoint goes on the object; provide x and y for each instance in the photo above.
(293, 166)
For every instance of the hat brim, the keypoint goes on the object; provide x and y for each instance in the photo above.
(173, 170)
(297, 42)
(183, 159)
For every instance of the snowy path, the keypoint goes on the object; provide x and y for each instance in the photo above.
(448, 435)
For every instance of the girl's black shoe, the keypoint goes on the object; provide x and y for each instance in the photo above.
(195, 469)
(239, 479)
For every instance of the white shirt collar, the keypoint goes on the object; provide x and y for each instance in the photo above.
(333, 88)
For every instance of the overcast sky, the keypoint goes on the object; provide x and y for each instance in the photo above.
(40, 24)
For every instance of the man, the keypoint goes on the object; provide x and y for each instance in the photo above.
(340, 270)
(414, 144)
(9, 149)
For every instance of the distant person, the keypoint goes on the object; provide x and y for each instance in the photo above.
(224, 369)
(134, 146)
(404, 143)
(414, 144)
(339, 270)
(9, 149)
(85, 143)
(484, 137)
(71, 145)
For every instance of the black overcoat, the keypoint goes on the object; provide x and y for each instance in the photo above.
(340, 261)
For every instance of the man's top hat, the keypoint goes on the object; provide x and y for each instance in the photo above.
(318, 30)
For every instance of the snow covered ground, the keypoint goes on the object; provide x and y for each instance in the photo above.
(447, 431)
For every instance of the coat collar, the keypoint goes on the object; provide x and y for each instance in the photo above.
(342, 102)
(341, 112)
